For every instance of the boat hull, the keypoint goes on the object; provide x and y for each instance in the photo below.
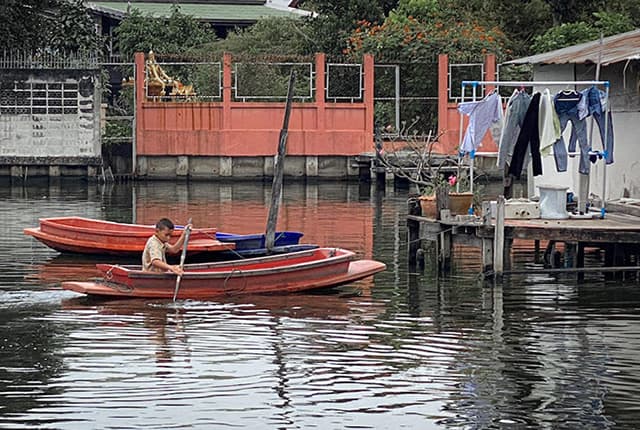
(249, 242)
(355, 270)
(89, 236)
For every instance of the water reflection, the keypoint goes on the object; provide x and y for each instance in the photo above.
(400, 350)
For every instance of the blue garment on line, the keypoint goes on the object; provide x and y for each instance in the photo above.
(593, 98)
(567, 107)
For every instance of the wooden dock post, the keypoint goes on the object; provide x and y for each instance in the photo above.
(444, 250)
(276, 186)
(536, 251)
(487, 243)
(498, 239)
(580, 261)
(413, 234)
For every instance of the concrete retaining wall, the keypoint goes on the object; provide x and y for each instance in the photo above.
(212, 167)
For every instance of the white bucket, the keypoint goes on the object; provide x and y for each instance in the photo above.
(553, 202)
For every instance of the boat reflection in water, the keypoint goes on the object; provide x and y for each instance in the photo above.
(248, 323)
(328, 215)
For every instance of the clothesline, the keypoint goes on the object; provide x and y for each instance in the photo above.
(532, 83)
(475, 84)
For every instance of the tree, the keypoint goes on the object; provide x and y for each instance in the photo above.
(415, 42)
(52, 25)
(175, 34)
(269, 36)
(336, 19)
(605, 24)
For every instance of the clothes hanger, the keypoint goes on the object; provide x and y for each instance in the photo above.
(570, 94)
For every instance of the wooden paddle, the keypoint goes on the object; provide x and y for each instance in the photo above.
(183, 256)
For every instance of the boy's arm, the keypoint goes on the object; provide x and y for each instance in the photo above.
(175, 248)
(156, 262)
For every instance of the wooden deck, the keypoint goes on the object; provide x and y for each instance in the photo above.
(618, 235)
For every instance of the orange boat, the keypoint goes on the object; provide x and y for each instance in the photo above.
(283, 273)
(91, 236)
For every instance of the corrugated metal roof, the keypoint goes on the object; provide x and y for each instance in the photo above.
(619, 47)
(215, 13)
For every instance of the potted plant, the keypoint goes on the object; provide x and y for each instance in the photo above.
(435, 176)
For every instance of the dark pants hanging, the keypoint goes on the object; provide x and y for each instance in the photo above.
(528, 139)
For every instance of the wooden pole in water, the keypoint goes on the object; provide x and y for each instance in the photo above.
(498, 239)
(278, 169)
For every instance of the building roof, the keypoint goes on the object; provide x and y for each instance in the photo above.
(216, 13)
(620, 47)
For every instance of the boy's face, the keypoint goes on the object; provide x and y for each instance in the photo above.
(164, 234)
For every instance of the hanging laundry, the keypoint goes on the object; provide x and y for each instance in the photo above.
(594, 103)
(548, 123)
(517, 106)
(528, 139)
(482, 114)
(567, 103)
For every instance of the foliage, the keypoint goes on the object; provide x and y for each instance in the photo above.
(47, 25)
(117, 132)
(176, 34)
(569, 34)
(406, 38)
(270, 40)
(336, 19)
(521, 21)
(268, 36)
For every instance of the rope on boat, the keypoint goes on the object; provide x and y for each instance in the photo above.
(224, 286)
(122, 288)
(109, 274)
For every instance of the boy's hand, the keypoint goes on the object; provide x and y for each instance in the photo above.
(177, 270)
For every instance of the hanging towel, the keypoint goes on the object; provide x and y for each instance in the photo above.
(482, 114)
(517, 106)
(548, 123)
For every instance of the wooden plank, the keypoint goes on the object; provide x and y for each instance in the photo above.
(574, 270)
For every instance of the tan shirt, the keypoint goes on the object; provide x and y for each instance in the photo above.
(154, 249)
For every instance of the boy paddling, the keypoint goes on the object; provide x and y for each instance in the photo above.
(154, 255)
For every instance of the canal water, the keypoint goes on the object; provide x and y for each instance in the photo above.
(400, 350)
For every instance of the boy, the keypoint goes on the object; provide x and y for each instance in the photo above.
(154, 257)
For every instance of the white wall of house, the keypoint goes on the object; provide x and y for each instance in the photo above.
(623, 176)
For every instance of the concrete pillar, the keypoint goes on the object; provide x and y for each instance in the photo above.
(320, 91)
(311, 165)
(182, 166)
(138, 142)
(54, 171)
(227, 60)
(443, 96)
(16, 171)
(226, 166)
(583, 192)
(490, 71)
(369, 77)
(268, 166)
(142, 167)
(353, 167)
(226, 193)
(311, 193)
